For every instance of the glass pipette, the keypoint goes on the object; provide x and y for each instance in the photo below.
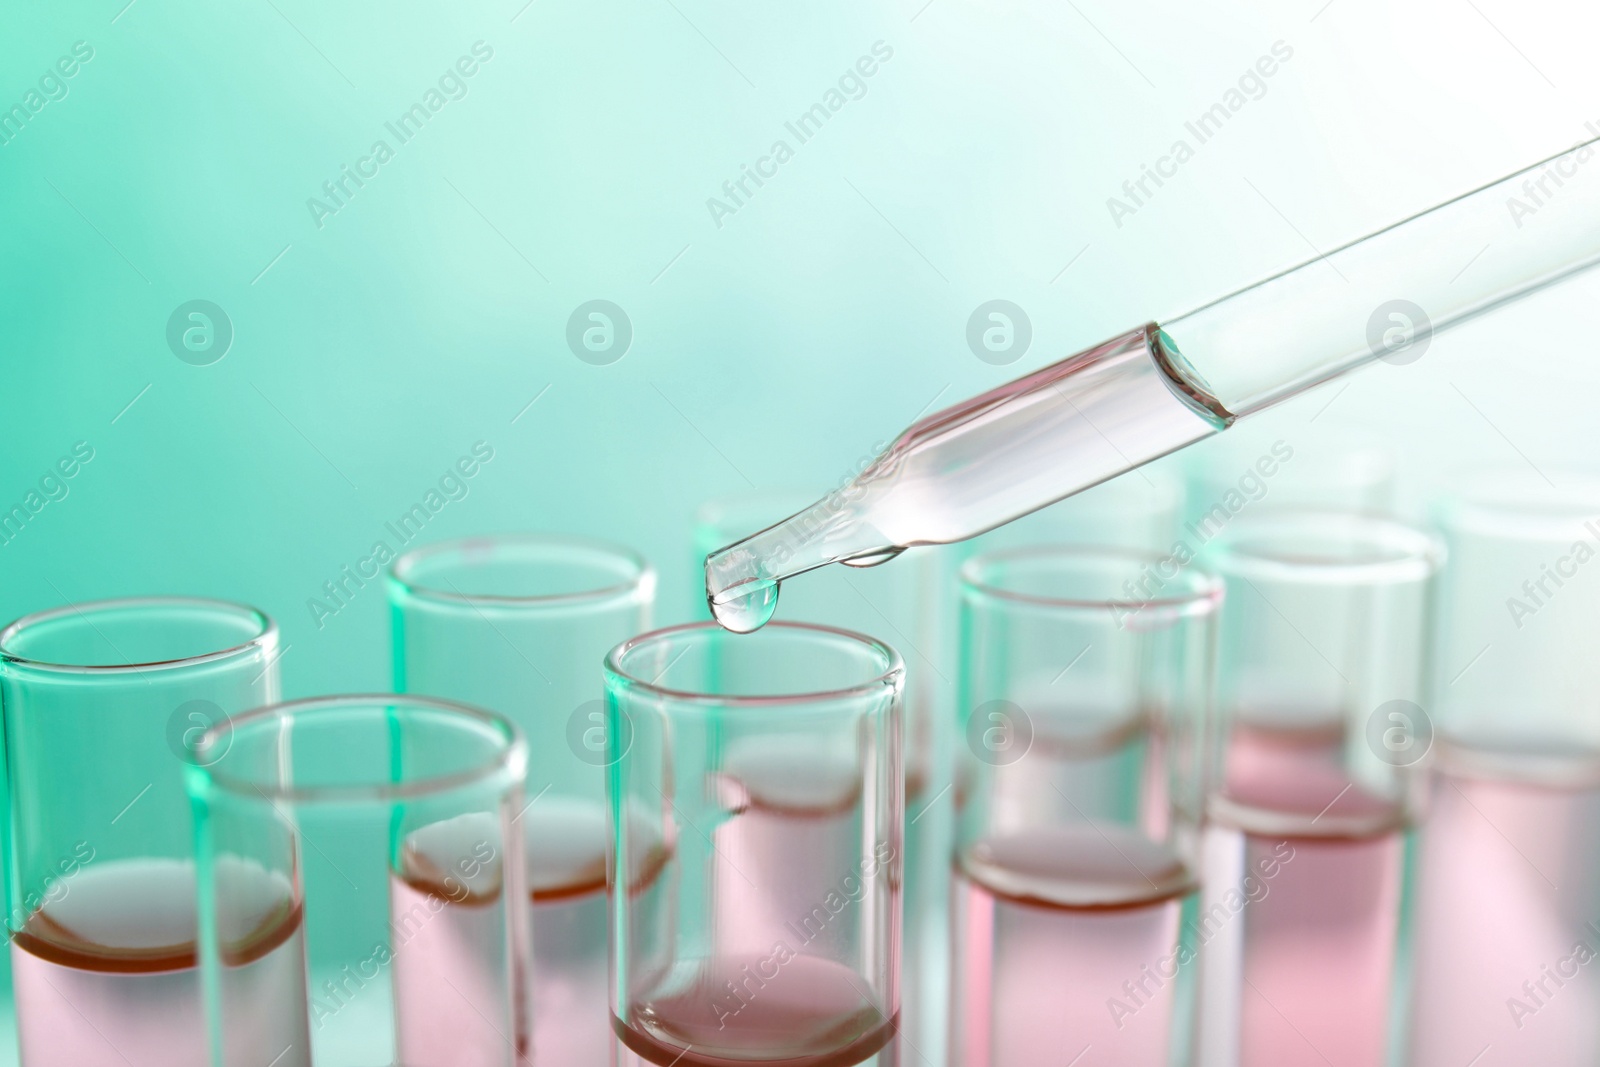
(995, 457)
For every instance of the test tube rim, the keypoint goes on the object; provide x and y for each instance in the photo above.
(1498, 503)
(264, 640)
(891, 675)
(510, 757)
(640, 581)
(1421, 557)
(1205, 596)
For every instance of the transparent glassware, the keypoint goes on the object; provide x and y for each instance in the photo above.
(520, 624)
(360, 879)
(1157, 388)
(1140, 513)
(1322, 686)
(913, 607)
(1080, 787)
(757, 838)
(1251, 473)
(99, 701)
(1508, 868)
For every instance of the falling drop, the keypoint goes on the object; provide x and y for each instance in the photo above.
(745, 608)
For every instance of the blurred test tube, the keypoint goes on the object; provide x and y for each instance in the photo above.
(1255, 471)
(519, 624)
(1508, 914)
(1322, 680)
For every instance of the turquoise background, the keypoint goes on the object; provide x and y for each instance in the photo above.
(371, 352)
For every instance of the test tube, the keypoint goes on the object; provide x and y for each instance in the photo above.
(1508, 881)
(1322, 682)
(99, 700)
(756, 818)
(1251, 472)
(912, 606)
(1084, 702)
(360, 873)
(519, 624)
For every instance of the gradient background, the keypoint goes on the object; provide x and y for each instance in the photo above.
(370, 353)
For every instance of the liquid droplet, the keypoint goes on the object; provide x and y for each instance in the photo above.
(746, 607)
(872, 559)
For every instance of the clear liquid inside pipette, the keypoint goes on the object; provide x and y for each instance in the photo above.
(977, 465)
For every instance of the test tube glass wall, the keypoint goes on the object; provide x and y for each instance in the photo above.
(360, 874)
(520, 624)
(910, 604)
(1322, 684)
(1508, 880)
(1250, 470)
(757, 813)
(99, 701)
(1079, 794)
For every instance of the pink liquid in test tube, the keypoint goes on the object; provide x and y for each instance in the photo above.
(1303, 873)
(1092, 973)
(108, 971)
(1507, 935)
